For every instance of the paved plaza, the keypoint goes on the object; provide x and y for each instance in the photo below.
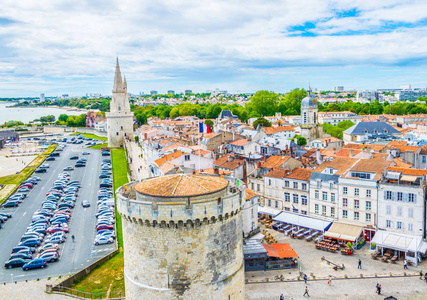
(14, 159)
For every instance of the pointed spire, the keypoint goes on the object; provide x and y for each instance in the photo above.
(125, 85)
(118, 84)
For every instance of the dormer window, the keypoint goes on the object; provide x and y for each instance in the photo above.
(385, 130)
(375, 130)
(365, 131)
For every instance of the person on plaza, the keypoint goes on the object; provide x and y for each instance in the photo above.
(421, 274)
(72, 237)
(425, 277)
(359, 266)
(405, 264)
(379, 289)
(306, 292)
(281, 297)
(330, 280)
(305, 278)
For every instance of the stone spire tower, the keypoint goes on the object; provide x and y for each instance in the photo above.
(120, 118)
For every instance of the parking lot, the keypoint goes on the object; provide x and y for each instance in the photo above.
(73, 255)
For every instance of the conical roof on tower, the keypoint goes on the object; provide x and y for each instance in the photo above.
(118, 84)
(125, 85)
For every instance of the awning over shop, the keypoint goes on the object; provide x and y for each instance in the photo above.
(398, 241)
(343, 231)
(393, 175)
(302, 221)
(280, 250)
(408, 178)
(268, 210)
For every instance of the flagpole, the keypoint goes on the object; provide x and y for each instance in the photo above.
(199, 147)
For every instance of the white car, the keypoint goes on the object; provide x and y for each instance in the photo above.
(101, 240)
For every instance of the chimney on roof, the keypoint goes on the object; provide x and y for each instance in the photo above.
(216, 170)
(229, 158)
(351, 152)
(319, 157)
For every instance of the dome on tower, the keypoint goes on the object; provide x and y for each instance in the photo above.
(309, 100)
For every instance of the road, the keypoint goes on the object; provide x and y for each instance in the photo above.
(73, 255)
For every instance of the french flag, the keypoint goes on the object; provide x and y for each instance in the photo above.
(203, 128)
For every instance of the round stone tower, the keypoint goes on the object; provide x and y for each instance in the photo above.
(182, 237)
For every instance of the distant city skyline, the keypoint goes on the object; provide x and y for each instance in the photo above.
(59, 47)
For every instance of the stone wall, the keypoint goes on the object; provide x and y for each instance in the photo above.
(188, 262)
(119, 126)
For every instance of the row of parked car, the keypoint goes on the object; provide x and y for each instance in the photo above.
(106, 213)
(48, 227)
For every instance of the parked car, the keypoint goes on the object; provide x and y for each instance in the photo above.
(40, 171)
(50, 256)
(85, 153)
(101, 240)
(34, 264)
(74, 157)
(23, 255)
(104, 226)
(10, 203)
(20, 248)
(16, 262)
(80, 165)
(85, 203)
(23, 189)
(56, 229)
(30, 243)
(50, 158)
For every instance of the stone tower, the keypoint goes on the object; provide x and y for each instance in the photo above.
(120, 118)
(182, 237)
(310, 128)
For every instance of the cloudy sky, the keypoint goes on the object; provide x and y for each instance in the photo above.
(70, 46)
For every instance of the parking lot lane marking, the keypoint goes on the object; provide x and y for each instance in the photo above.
(18, 276)
(24, 213)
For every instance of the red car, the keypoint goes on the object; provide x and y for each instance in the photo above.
(56, 229)
(29, 185)
(103, 226)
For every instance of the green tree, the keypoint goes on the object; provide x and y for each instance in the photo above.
(63, 117)
(263, 122)
(174, 113)
(209, 123)
(264, 103)
(291, 103)
(300, 140)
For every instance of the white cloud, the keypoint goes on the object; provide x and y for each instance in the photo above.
(195, 41)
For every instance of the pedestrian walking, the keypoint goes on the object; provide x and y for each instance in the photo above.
(330, 280)
(378, 288)
(425, 277)
(281, 297)
(305, 278)
(359, 266)
(405, 264)
(72, 237)
(306, 292)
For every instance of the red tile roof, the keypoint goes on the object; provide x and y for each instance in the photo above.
(300, 174)
(274, 161)
(280, 250)
(168, 157)
(250, 194)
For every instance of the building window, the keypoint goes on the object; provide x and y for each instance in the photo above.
(356, 192)
(319, 184)
(344, 202)
(252, 185)
(356, 203)
(331, 185)
(286, 183)
(323, 210)
(333, 212)
(388, 210)
(304, 186)
(287, 197)
(316, 208)
(399, 211)
(117, 133)
(411, 198)
(399, 196)
(399, 225)
(344, 190)
(324, 196)
(388, 223)
(304, 212)
(287, 209)
(368, 193)
(344, 214)
(276, 182)
(276, 204)
(316, 194)
(333, 198)
(295, 185)
(269, 192)
(269, 182)
(269, 203)
(410, 212)
(276, 193)
(424, 159)
(295, 196)
(410, 228)
(187, 157)
(304, 200)
(252, 212)
(368, 205)
(368, 217)
(356, 216)
(388, 195)
(258, 187)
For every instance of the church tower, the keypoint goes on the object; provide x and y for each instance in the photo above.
(120, 118)
(310, 128)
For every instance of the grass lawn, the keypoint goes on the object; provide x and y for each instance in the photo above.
(90, 136)
(99, 146)
(16, 179)
(109, 275)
